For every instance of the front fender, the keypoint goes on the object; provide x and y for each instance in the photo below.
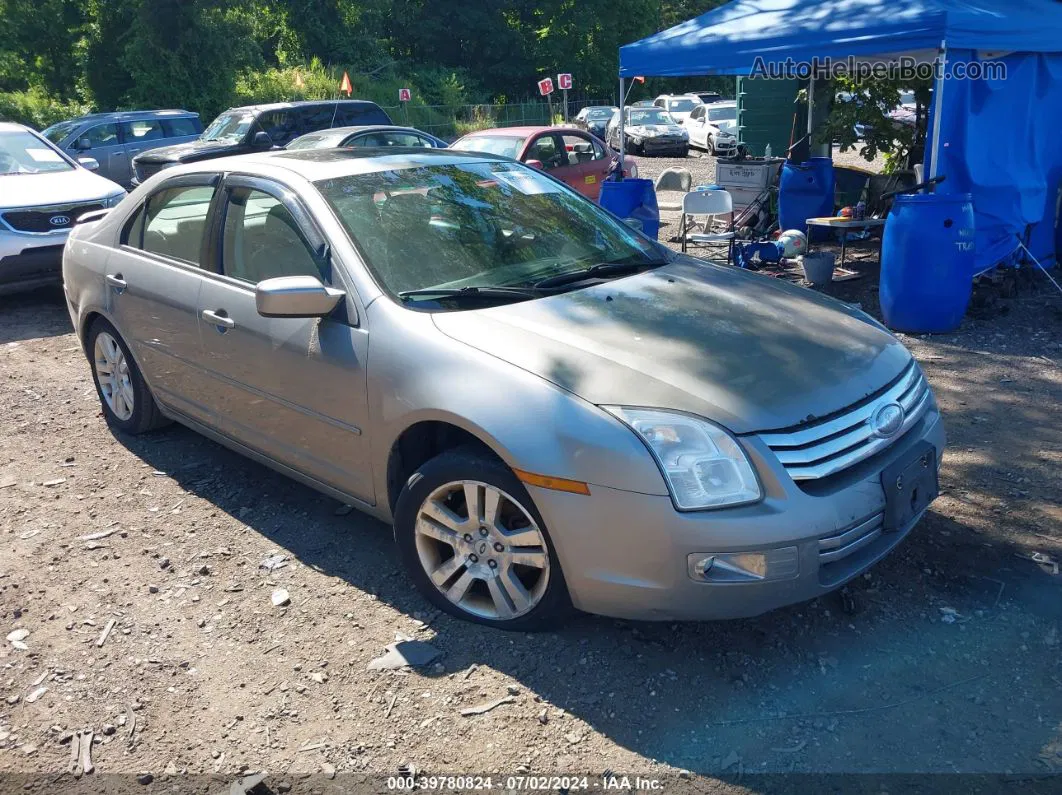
(417, 373)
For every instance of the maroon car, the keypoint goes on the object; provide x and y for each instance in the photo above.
(575, 157)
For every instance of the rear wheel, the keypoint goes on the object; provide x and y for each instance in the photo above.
(475, 545)
(127, 402)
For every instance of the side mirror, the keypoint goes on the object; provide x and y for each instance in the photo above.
(262, 140)
(82, 144)
(534, 164)
(91, 163)
(295, 296)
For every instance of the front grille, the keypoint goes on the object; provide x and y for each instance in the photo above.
(842, 545)
(834, 444)
(47, 219)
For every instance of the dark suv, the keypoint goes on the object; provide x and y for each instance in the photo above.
(259, 127)
(114, 139)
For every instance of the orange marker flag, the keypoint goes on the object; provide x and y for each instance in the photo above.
(638, 79)
(345, 86)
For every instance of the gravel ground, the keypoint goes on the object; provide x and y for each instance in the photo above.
(131, 581)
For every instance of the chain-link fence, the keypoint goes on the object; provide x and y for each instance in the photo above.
(452, 121)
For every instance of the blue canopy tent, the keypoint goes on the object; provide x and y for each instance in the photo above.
(995, 139)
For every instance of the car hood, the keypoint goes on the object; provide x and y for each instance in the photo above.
(62, 187)
(189, 152)
(727, 125)
(748, 351)
(651, 130)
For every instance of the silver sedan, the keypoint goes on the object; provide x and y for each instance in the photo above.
(552, 410)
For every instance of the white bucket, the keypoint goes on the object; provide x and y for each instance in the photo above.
(818, 267)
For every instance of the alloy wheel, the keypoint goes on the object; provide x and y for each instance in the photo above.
(112, 372)
(482, 550)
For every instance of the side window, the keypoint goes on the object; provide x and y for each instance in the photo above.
(545, 150)
(660, 103)
(578, 149)
(581, 115)
(133, 234)
(371, 139)
(262, 240)
(180, 128)
(352, 114)
(101, 135)
(403, 139)
(599, 151)
(145, 130)
(698, 112)
(174, 222)
(279, 125)
(316, 117)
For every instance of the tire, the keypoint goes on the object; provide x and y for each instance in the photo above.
(107, 353)
(474, 564)
(710, 145)
(684, 152)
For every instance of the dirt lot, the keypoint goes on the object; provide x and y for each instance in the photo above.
(945, 659)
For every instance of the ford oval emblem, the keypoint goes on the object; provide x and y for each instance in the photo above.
(59, 220)
(887, 420)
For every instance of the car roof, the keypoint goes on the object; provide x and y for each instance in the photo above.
(134, 115)
(340, 132)
(10, 126)
(299, 104)
(523, 132)
(317, 164)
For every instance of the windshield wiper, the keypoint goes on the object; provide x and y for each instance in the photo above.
(600, 270)
(473, 293)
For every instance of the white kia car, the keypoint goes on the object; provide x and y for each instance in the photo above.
(43, 192)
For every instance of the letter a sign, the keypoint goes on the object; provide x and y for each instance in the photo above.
(404, 95)
(545, 87)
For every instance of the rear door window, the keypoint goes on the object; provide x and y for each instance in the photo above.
(316, 117)
(352, 114)
(142, 130)
(181, 128)
(280, 125)
(172, 223)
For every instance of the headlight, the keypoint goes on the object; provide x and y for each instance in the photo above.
(703, 465)
(113, 201)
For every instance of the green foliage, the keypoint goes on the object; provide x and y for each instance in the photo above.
(37, 108)
(870, 104)
(207, 55)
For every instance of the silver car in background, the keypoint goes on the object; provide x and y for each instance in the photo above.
(551, 409)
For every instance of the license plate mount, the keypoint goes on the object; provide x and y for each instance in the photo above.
(910, 485)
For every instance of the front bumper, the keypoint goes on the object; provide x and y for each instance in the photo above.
(626, 555)
(656, 145)
(29, 260)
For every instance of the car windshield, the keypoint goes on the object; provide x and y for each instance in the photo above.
(229, 127)
(504, 145)
(650, 116)
(475, 225)
(682, 105)
(23, 153)
(57, 132)
(597, 114)
(722, 114)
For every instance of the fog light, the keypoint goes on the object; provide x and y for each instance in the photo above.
(773, 564)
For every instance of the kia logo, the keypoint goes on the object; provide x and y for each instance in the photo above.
(59, 220)
(887, 420)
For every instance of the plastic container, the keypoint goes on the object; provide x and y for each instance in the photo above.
(632, 198)
(927, 262)
(806, 191)
(818, 267)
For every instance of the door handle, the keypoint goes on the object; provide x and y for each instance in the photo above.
(219, 319)
(116, 281)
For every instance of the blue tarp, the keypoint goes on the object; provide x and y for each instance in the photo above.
(999, 139)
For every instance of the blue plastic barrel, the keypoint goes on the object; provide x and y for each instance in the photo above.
(806, 191)
(632, 198)
(927, 262)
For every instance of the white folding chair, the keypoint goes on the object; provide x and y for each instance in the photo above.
(709, 205)
(673, 180)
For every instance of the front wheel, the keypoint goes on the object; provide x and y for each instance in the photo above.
(476, 546)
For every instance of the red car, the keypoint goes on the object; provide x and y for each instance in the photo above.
(575, 157)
